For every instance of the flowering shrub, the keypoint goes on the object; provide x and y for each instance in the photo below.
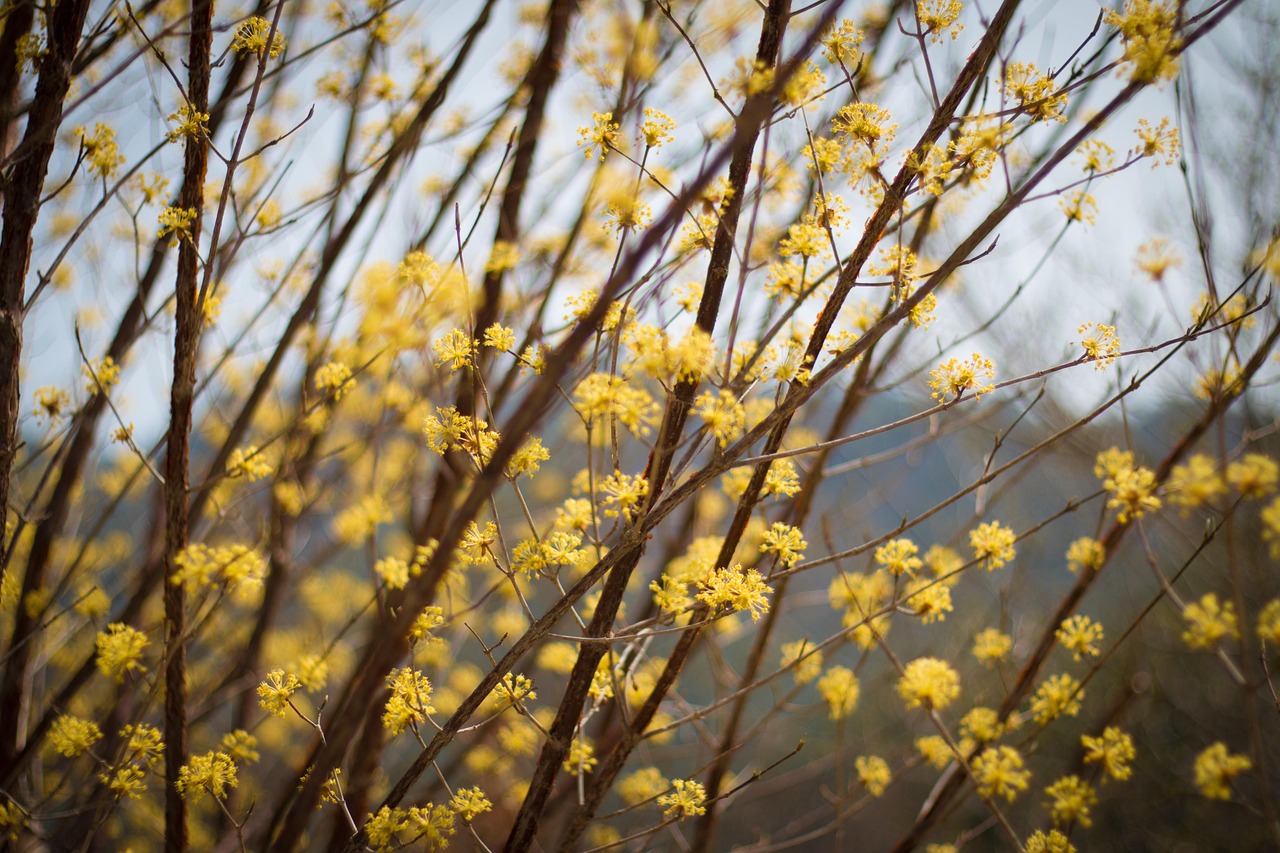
(473, 482)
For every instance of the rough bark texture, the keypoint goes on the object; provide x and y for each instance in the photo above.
(25, 182)
(178, 447)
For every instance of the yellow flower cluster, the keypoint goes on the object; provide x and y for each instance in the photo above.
(1151, 41)
(1215, 767)
(840, 689)
(251, 37)
(120, 649)
(211, 773)
(686, 799)
(735, 590)
(929, 683)
(954, 376)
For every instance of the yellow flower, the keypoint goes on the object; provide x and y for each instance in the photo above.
(839, 687)
(602, 136)
(1081, 207)
(176, 221)
(191, 125)
(1000, 773)
(1215, 767)
(410, 700)
(992, 646)
(1080, 636)
(100, 150)
(1195, 483)
(736, 590)
(1085, 553)
(251, 37)
(1113, 749)
(1151, 43)
(1208, 622)
(898, 556)
(1051, 842)
(72, 736)
(656, 128)
(785, 541)
(1072, 798)
(1102, 346)
(993, 544)
(468, 803)
(643, 785)
(1036, 94)
(1254, 476)
(212, 773)
(1156, 257)
(686, 800)
(1269, 623)
(873, 773)
(953, 377)
(120, 650)
(1056, 695)
(939, 16)
(930, 683)
(274, 693)
(810, 659)
(334, 378)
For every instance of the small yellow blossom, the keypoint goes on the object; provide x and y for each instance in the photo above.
(1194, 484)
(874, 773)
(100, 150)
(1072, 799)
(251, 37)
(468, 803)
(1051, 842)
(1085, 553)
(938, 17)
(72, 736)
(993, 544)
(1080, 635)
(1215, 767)
(502, 338)
(999, 772)
(1151, 41)
(1269, 623)
(1036, 94)
(1079, 206)
(785, 541)
(602, 136)
(52, 404)
(810, 660)
(191, 125)
(1113, 749)
(1254, 476)
(248, 462)
(954, 376)
(992, 646)
(1102, 346)
(274, 693)
(334, 378)
(1208, 622)
(840, 688)
(102, 375)
(735, 590)
(241, 746)
(120, 649)
(211, 773)
(1056, 695)
(898, 556)
(410, 700)
(1161, 143)
(656, 128)
(1156, 257)
(176, 221)
(840, 44)
(687, 799)
(930, 683)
